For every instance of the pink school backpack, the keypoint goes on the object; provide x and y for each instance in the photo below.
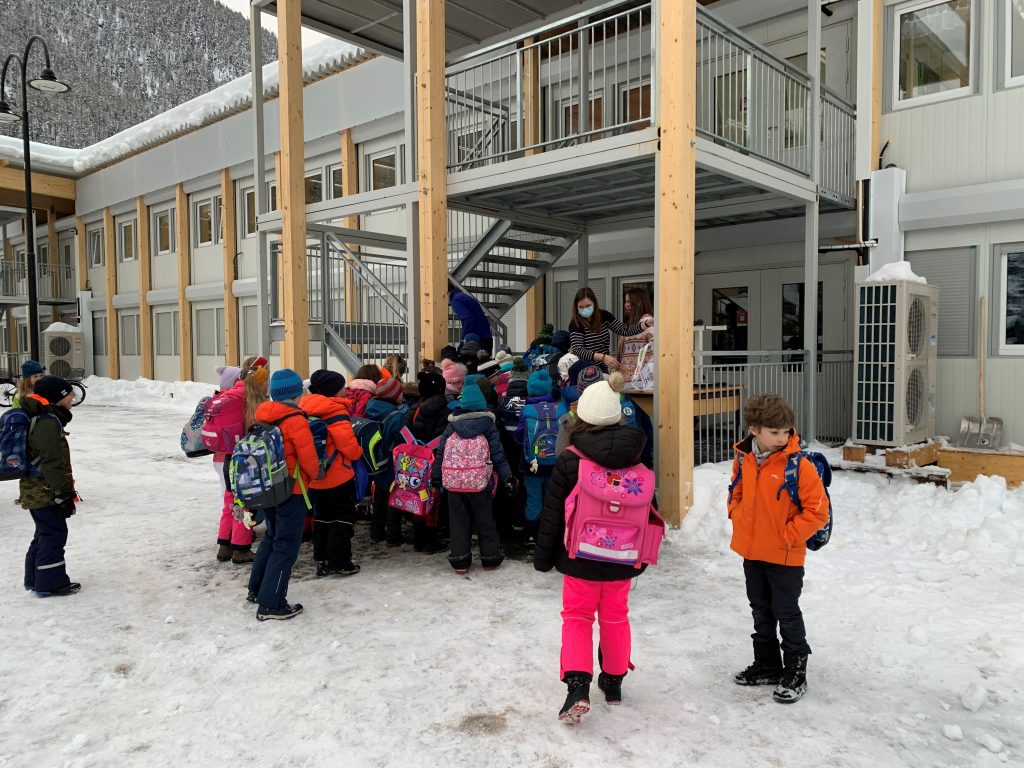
(414, 465)
(224, 422)
(610, 516)
(466, 466)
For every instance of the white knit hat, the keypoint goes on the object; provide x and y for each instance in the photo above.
(565, 364)
(599, 404)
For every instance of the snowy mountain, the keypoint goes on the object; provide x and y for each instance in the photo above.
(126, 60)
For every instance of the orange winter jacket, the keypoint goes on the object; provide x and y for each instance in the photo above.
(340, 438)
(298, 440)
(766, 525)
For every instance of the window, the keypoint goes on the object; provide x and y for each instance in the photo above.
(210, 331)
(163, 232)
(1014, 46)
(730, 307)
(932, 51)
(337, 188)
(1011, 302)
(126, 241)
(99, 335)
(66, 257)
(204, 223)
(571, 116)
(635, 103)
(95, 247)
(314, 184)
(129, 335)
(383, 168)
(793, 316)
(249, 213)
(272, 194)
(250, 330)
(166, 331)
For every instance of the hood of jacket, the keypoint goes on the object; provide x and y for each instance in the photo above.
(271, 410)
(471, 423)
(539, 399)
(377, 409)
(325, 407)
(746, 445)
(614, 447)
(364, 384)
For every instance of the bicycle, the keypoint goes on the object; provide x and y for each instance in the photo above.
(9, 389)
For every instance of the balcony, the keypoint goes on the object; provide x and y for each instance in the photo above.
(55, 283)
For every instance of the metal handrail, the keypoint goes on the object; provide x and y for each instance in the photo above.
(379, 286)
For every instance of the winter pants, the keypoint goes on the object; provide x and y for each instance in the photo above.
(581, 599)
(387, 521)
(334, 524)
(536, 486)
(44, 561)
(272, 566)
(467, 510)
(232, 532)
(774, 594)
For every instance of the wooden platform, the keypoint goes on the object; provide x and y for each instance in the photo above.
(935, 461)
(707, 401)
(966, 464)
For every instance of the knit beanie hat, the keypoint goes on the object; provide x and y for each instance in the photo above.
(589, 375)
(599, 404)
(31, 368)
(52, 389)
(469, 350)
(567, 361)
(561, 340)
(453, 374)
(490, 369)
(285, 384)
(431, 384)
(227, 375)
(539, 383)
(471, 337)
(576, 369)
(546, 331)
(519, 370)
(327, 383)
(449, 353)
(504, 359)
(389, 389)
(472, 399)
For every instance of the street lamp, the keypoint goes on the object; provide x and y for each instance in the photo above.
(46, 82)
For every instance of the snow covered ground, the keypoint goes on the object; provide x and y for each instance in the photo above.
(914, 612)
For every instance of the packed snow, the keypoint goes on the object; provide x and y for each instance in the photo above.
(913, 612)
(896, 270)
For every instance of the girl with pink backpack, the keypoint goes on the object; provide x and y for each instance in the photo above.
(600, 530)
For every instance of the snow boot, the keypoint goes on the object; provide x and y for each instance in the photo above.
(767, 666)
(223, 553)
(793, 684)
(611, 685)
(577, 701)
(242, 556)
(67, 589)
(283, 613)
(323, 568)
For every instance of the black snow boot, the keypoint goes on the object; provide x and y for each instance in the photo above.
(767, 666)
(793, 684)
(612, 687)
(577, 702)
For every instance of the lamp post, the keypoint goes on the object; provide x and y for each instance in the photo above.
(46, 82)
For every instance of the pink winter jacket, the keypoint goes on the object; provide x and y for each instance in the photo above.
(359, 392)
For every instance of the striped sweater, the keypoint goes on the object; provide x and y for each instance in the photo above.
(585, 343)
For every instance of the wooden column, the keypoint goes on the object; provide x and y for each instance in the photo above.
(432, 178)
(350, 186)
(675, 220)
(110, 282)
(182, 217)
(534, 298)
(83, 254)
(145, 257)
(229, 243)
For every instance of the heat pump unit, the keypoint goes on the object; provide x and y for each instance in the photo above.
(895, 362)
(65, 351)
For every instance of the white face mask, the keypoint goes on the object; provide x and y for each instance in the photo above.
(586, 312)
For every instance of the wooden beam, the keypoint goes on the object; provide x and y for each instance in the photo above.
(13, 179)
(433, 177)
(110, 282)
(675, 215)
(291, 190)
(967, 465)
(229, 242)
(145, 256)
(83, 254)
(913, 456)
(182, 217)
(877, 75)
(534, 298)
(350, 186)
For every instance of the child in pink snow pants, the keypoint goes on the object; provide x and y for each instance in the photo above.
(590, 587)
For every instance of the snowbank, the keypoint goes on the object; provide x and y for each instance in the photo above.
(897, 270)
(179, 396)
(61, 328)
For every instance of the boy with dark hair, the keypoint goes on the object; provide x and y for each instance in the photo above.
(770, 533)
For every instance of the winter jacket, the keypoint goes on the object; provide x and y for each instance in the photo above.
(237, 391)
(391, 430)
(359, 392)
(46, 442)
(471, 315)
(614, 447)
(469, 424)
(528, 427)
(429, 420)
(766, 525)
(340, 438)
(298, 440)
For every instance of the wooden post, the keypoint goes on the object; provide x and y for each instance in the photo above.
(110, 275)
(229, 243)
(145, 257)
(182, 217)
(291, 194)
(675, 220)
(350, 186)
(534, 298)
(433, 178)
(83, 254)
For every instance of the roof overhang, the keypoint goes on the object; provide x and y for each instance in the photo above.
(48, 191)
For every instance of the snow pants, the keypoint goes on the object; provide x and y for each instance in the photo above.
(536, 486)
(581, 600)
(774, 594)
(333, 524)
(232, 532)
(44, 562)
(466, 510)
(272, 566)
(387, 521)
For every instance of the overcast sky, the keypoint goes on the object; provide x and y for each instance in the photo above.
(309, 36)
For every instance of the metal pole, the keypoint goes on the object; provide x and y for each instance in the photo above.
(259, 181)
(30, 234)
(412, 286)
(409, 85)
(325, 298)
(583, 260)
(811, 221)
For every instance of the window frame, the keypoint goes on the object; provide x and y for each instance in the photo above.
(100, 350)
(247, 218)
(218, 331)
(317, 173)
(175, 348)
(216, 221)
(371, 156)
(895, 103)
(122, 252)
(133, 319)
(155, 217)
(1009, 79)
(1001, 255)
(329, 172)
(97, 258)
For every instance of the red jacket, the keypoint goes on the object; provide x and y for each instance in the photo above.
(298, 440)
(359, 392)
(766, 525)
(340, 438)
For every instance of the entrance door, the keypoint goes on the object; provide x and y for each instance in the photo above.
(731, 300)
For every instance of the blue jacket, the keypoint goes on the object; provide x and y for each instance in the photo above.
(391, 429)
(471, 314)
(468, 424)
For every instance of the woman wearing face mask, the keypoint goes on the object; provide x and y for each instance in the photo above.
(590, 330)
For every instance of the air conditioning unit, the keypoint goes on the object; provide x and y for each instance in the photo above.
(64, 347)
(894, 364)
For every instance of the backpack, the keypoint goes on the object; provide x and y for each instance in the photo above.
(610, 515)
(371, 435)
(414, 464)
(791, 484)
(318, 427)
(466, 466)
(223, 423)
(538, 357)
(258, 472)
(511, 411)
(15, 428)
(629, 413)
(540, 444)
(192, 432)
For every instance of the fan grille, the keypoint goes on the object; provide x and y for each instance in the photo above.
(60, 368)
(915, 397)
(59, 346)
(915, 326)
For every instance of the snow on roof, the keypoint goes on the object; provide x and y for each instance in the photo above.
(320, 60)
(897, 270)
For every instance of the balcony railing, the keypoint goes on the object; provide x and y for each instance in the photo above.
(53, 281)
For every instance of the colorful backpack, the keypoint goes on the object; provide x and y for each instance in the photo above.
(15, 428)
(466, 466)
(223, 423)
(192, 432)
(318, 427)
(414, 465)
(371, 435)
(258, 472)
(540, 443)
(610, 515)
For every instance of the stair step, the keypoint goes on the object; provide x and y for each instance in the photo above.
(493, 304)
(476, 289)
(526, 245)
(514, 261)
(485, 275)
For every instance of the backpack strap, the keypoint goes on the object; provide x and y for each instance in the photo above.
(407, 435)
(739, 475)
(791, 479)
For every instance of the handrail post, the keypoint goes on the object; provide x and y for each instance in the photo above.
(810, 303)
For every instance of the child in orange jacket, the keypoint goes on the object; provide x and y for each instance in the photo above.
(770, 533)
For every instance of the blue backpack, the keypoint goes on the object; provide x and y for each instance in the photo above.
(628, 413)
(791, 484)
(318, 427)
(541, 433)
(15, 428)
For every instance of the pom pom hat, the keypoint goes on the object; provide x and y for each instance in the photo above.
(599, 404)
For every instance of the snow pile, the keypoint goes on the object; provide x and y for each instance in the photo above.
(897, 270)
(61, 328)
(179, 396)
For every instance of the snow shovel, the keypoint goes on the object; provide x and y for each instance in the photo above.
(980, 431)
